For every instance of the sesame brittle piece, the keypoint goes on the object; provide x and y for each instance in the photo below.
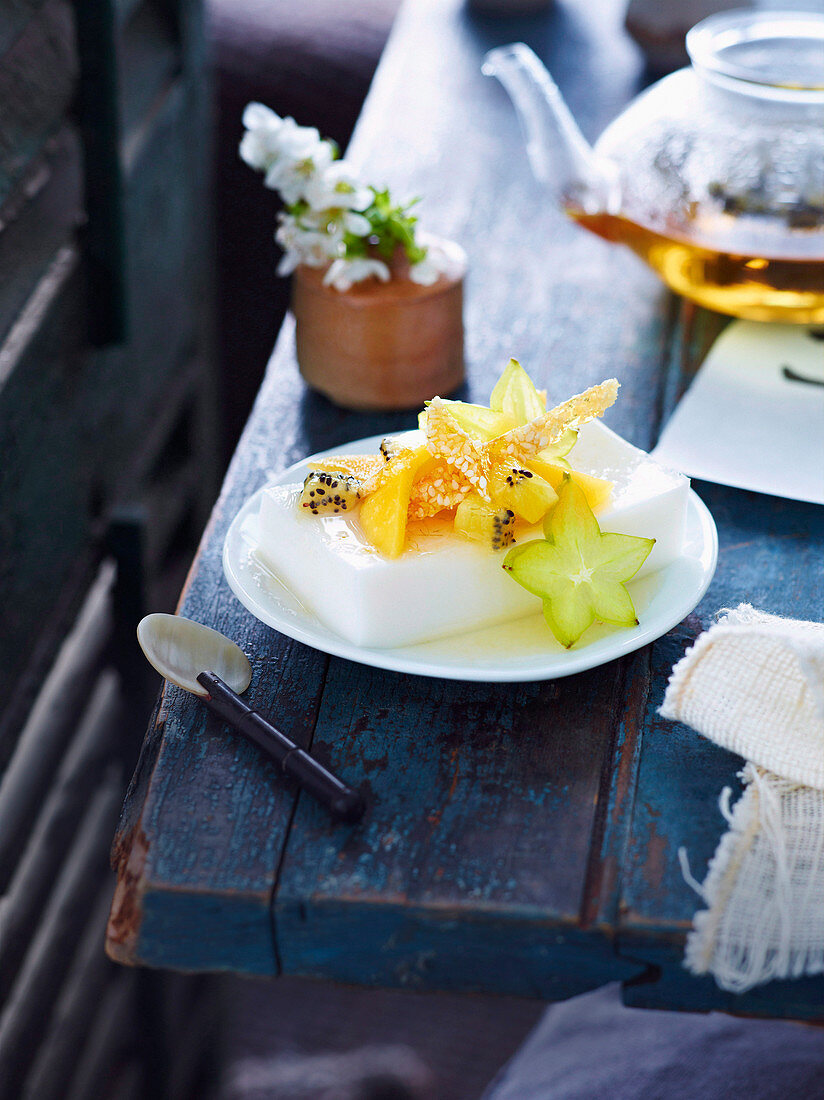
(442, 487)
(540, 433)
(448, 441)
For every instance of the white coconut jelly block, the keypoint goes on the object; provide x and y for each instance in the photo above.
(444, 584)
(647, 499)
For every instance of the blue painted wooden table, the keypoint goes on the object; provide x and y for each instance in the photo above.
(519, 838)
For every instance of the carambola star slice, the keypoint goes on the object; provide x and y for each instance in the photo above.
(578, 570)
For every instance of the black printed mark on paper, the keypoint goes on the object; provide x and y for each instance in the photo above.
(794, 376)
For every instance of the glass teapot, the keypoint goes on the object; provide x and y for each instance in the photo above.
(714, 175)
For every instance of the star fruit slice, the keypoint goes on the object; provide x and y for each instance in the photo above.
(517, 446)
(515, 395)
(514, 401)
(476, 420)
(579, 571)
(476, 460)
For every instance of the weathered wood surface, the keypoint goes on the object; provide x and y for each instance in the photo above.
(84, 430)
(506, 845)
(770, 555)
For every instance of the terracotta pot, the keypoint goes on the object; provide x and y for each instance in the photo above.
(381, 345)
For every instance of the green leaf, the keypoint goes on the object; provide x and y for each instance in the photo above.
(393, 227)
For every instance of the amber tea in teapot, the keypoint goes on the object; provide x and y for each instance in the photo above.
(714, 176)
(744, 284)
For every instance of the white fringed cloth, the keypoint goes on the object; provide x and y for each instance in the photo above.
(754, 684)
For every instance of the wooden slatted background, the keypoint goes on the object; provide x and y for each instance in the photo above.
(107, 438)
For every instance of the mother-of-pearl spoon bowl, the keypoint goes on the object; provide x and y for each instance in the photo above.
(204, 662)
(179, 649)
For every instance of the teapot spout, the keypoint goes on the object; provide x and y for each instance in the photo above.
(559, 154)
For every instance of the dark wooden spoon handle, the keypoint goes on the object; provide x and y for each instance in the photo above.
(343, 801)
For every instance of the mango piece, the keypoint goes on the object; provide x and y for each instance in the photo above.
(597, 490)
(383, 514)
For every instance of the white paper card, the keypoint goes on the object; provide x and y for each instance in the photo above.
(754, 414)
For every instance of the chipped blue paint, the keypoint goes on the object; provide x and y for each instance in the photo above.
(519, 838)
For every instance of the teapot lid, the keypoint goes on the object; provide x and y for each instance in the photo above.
(778, 55)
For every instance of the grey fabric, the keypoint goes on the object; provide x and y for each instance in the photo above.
(369, 1073)
(272, 1026)
(593, 1048)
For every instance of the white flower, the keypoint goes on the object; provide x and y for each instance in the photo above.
(289, 154)
(299, 161)
(428, 270)
(342, 274)
(326, 203)
(256, 116)
(337, 187)
(424, 272)
(304, 244)
(338, 222)
(296, 141)
(354, 223)
(288, 262)
(259, 149)
(260, 146)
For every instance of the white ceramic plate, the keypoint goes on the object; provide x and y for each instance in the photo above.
(516, 651)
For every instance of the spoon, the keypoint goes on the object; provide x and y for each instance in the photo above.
(204, 662)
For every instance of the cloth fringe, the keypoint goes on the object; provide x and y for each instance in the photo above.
(764, 889)
(754, 683)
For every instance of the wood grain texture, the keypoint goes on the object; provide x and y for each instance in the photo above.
(46, 395)
(770, 554)
(163, 254)
(62, 921)
(43, 851)
(74, 1011)
(485, 800)
(512, 830)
